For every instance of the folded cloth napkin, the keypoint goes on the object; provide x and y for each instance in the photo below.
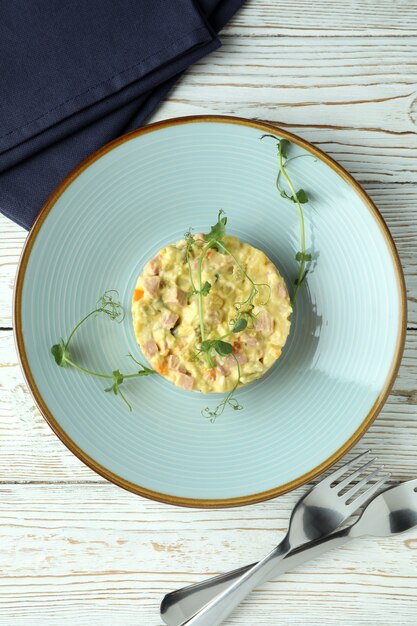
(75, 75)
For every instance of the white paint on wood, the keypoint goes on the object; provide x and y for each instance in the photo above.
(101, 554)
(77, 551)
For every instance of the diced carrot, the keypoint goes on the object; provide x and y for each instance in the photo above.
(138, 295)
(161, 368)
(236, 346)
(211, 374)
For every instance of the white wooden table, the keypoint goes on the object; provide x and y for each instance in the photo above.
(76, 550)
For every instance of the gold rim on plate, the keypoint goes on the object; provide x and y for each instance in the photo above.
(195, 502)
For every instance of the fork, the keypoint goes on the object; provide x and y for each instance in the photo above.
(317, 514)
(391, 512)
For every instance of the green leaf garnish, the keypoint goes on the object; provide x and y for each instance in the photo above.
(228, 400)
(302, 196)
(205, 289)
(218, 345)
(240, 324)
(284, 146)
(299, 281)
(222, 347)
(118, 379)
(303, 256)
(60, 353)
(108, 305)
(298, 198)
(215, 240)
(217, 231)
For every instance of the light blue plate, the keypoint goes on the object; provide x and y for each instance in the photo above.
(144, 191)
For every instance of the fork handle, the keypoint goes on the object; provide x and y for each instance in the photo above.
(218, 609)
(182, 604)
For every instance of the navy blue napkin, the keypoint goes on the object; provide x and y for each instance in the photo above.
(75, 75)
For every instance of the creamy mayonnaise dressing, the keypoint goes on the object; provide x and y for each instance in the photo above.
(166, 317)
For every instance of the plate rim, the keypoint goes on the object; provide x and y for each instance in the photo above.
(205, 502)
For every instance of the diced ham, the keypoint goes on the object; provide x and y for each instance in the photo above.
(153, 266)
(223, 370)
(169, 319)
(282, 292)
(173, 362)
(214, 317)
(251, 341)
(150, 348)
(264, 323)
(151, 284)
(163, 346)
(176, 296)
(240, 358)
(186, 382)
(181, 297)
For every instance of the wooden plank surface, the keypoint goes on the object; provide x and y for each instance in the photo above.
(75, 550)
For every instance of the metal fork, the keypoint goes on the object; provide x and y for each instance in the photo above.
(317, 514)
(391, 512)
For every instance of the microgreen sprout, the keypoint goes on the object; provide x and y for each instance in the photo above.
(210, 348)
(298, 198)
(110, 306)
(228, 400)
(244, 309)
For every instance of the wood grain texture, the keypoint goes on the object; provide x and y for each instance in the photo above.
(98, 555)
(77, 551)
